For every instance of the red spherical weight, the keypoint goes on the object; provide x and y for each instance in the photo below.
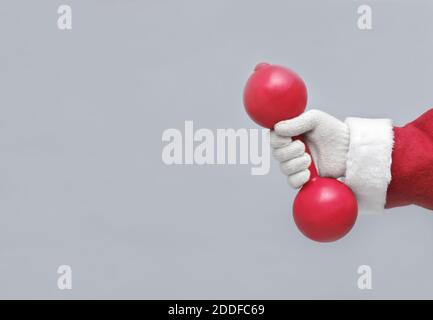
(274, 93)
(325, 209)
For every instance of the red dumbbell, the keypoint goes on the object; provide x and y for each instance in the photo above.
(325, 209)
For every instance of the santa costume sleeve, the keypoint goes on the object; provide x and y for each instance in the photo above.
(391, 166)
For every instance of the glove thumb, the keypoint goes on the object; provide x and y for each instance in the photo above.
(297, 126)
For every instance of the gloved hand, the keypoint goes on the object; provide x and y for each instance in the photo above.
(327, 139)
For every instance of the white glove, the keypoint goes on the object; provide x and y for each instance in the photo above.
(327, 139)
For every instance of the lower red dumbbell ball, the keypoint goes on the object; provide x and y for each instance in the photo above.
(325, 209)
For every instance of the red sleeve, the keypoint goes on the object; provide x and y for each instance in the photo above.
(412, 164)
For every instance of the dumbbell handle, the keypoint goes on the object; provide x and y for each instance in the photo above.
(313, 170)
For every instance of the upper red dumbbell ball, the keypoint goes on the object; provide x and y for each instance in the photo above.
(274, 93)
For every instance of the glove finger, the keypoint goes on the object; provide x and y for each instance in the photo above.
(298, 179)
(279, 141)
(296, 165)
(293, 150)
(299, 125)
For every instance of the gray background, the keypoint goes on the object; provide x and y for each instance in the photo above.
(81, 177)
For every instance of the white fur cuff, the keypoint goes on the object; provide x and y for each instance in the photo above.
(368, 167)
